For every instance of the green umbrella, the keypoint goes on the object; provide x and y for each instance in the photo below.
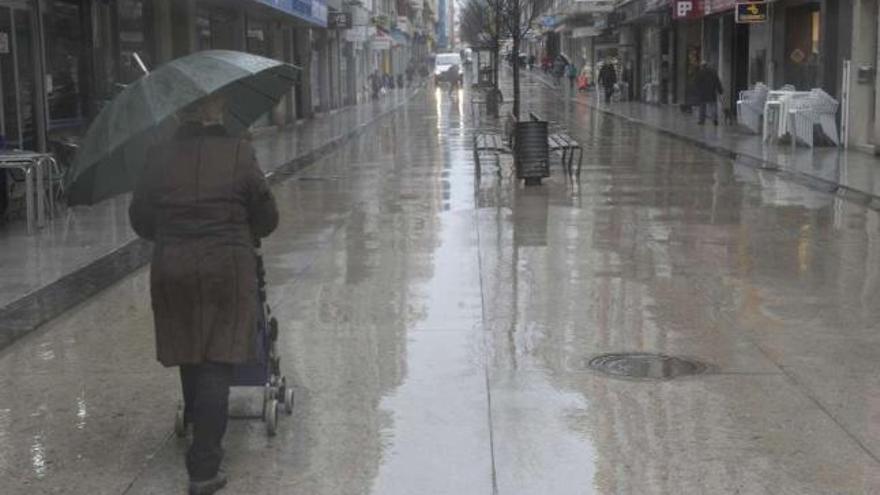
(113, 151)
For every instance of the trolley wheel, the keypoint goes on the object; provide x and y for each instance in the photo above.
(288, 400)
(179, 424)
(271, 417)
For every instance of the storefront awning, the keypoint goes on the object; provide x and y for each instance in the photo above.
(311, 11)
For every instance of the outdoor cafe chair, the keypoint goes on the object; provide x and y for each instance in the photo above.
(818, 109)
(750, 107)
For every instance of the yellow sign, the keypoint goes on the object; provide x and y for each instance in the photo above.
(751, 12)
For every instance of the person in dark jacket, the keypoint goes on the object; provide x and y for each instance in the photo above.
(707, 90)
(203, 200)
(607, 79)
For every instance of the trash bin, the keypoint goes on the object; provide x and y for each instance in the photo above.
(531, 154)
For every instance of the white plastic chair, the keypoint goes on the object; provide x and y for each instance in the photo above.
(819, 108)
(750, 107)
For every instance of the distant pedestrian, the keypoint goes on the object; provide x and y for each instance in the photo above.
(453, 77)
(203, 200)
(559, 69)
(707, 88)
(375, 84)
(571, 72)
(607, 79)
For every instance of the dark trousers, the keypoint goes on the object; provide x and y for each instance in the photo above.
(609, 92)
(206, 406)
(708, 109)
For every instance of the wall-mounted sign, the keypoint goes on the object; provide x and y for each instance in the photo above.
(584, 32)
(339, 20)
(687, 9)
(313, 11)
(549, 21)
(751, 12)
(711, 7)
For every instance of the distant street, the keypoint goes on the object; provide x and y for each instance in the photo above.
(437, 326)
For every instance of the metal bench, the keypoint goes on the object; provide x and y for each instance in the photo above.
(489, 142)
(563, 143)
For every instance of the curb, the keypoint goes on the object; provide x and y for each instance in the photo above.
(30, 312)
(848, 193)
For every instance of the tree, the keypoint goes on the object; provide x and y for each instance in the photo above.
(489, 22)
(518, 15)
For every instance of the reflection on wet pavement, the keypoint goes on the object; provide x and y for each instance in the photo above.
(437, 325)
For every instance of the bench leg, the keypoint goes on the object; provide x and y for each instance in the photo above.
(570, 163)
(562, 162)
(580, 159)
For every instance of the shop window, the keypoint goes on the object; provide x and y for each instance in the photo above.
(258, 38)
(802, 46)
(133, 18)
(65, 64)
(216, 29)
(816, 31)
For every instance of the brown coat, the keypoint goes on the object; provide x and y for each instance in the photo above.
(203, 199)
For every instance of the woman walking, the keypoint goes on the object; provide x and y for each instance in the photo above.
(203, 200)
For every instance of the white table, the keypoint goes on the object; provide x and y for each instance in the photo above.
(37, 171)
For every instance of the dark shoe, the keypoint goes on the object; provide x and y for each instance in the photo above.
(715, 122)
(208, 487)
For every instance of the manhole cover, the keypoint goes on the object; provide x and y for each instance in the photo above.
(641, 365)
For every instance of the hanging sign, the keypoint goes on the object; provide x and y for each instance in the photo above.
(751, 12)
(339, 20)
(687, 9)
(712, 7)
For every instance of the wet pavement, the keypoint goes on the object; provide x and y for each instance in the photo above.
(439, 327)
(79, 236)
(853, 173)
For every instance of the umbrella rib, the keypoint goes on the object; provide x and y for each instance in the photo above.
(257, 90)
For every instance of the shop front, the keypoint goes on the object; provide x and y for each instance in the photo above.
(646, 49)
(726, 47)
(688, 18)
(62, 60)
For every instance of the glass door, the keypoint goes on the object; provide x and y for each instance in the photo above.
(18, 126)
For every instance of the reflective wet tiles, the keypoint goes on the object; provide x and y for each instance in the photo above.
(438, 324)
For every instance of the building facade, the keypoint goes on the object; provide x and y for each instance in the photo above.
(657, 46)
(62, 60)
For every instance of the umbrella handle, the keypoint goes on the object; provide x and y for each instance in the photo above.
(140, 62)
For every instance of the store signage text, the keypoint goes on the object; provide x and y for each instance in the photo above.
(687, 9)
(711, 7)
(339, 20)
(751, 12)
(314, 11)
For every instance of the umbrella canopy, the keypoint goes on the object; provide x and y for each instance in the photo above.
(113, 152)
